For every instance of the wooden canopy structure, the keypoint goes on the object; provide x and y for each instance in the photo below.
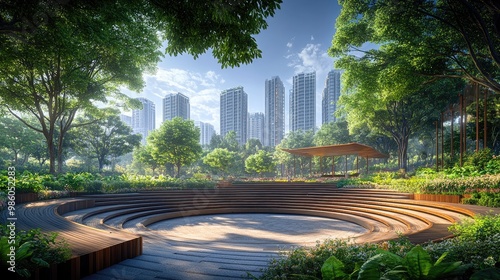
(338, 150)
(356, 149)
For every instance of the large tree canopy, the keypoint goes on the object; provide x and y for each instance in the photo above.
(226, 27)
(444, 38)
(176, 142)
(104, 139)
(62, 68)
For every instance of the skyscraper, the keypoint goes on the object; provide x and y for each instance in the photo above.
(143, 121)
(234, 113)
(175, 105)
(256, 126)
(303, 102)
(274, 126)
(126, 119)
(207, 131)
(331, 94)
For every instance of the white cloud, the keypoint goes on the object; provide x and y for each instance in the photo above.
(311, 58)
(201, 88)
(312, 38)
(289, 44)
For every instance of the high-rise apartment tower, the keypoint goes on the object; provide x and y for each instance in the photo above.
(256, 126)
(175, 105)
(331, 94)
(143, 120)
(234, 113)
(274, 123)
(303, 102)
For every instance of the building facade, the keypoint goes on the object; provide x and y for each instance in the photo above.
(176, 105)
(207, 131)
(234, 113)
(256, 126)
(126, 120)
(331, 94)
(143, 120)
(303, 102)
(274, 123)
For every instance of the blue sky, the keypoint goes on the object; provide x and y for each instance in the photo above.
(296, 40)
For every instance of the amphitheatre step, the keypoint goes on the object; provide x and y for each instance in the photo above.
(112, 220)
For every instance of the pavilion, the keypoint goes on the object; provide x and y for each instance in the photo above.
(359, 150)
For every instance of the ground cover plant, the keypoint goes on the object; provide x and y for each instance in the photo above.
(473, 254)
(34, 250)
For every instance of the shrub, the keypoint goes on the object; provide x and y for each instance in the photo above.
(477, 229)
(34, 249)
(476, 246)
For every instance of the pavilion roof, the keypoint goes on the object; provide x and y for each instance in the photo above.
(338, 150)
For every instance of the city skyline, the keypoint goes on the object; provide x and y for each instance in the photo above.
(273, 124)
(296, 40)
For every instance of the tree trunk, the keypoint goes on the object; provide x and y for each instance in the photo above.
(60, 155)
(403, 154)
(101, 163)
(52, 155)
(178, 165)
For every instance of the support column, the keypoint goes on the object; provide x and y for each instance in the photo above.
(345, 174)
(461, 106)
(442, 141)
(437, 146)
(452, 156)
(476, 89)
(333, 166)
(485, 117)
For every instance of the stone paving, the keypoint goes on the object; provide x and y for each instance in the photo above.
(226, 246)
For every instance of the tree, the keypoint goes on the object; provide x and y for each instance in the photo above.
(194, 26)
(18, 139)
(58, 58)
(293, 140)
(399, 113)
(252, 146)
(144, 155)
(229, 142)
(441, 39)
(261, 162)
(176, 142)
(104, 138)
(221, 159)
(63, 68)
(333, 133)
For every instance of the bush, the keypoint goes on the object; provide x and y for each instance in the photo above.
(95, 186)
(476, 246)
(34, 250)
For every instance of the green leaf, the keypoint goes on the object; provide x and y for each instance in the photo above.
(40, 262)
(24, 251)
(418, 262)
(376, 266)
(332, 269)
(489, 273)
(444, 269)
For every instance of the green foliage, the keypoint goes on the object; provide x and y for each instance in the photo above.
(221, 159)
(261, 162)
(103, 138)
(176, 142)
(425, 34)
(34, 249)
(475, 252)
(477, 229)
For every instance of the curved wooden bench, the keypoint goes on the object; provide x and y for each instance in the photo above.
(92, 249)
(382, 213)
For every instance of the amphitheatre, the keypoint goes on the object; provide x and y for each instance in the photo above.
(227, 232)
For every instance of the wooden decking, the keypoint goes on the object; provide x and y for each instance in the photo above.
(102, 242)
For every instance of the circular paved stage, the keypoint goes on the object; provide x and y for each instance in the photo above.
(223, 246)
